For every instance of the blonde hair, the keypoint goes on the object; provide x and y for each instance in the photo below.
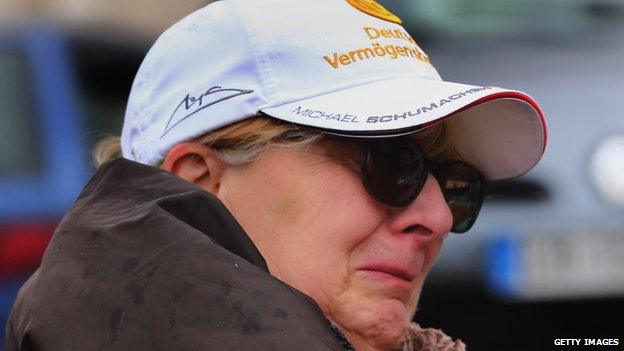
(244, 141)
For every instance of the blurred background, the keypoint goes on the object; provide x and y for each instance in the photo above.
(546, 258)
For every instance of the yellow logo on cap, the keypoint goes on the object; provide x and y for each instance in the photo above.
(373, 8)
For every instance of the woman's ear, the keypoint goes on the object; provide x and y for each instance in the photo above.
(196, 163)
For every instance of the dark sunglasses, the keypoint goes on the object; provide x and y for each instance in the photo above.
(394, 171)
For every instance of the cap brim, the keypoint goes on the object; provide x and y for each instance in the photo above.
(502, 132)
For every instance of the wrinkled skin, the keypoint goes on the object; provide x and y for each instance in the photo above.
(321, 232)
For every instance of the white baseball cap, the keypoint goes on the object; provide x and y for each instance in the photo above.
(346, 67)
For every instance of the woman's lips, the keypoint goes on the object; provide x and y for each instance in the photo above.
(397, 272)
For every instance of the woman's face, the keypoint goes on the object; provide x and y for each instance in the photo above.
(362, 261)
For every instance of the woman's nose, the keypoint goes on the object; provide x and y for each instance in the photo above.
(428, 217)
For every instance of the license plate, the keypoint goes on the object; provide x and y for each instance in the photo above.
(554, 266)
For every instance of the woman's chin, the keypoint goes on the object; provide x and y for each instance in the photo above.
(377, 322)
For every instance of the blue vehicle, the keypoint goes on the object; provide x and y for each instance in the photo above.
(58, 94)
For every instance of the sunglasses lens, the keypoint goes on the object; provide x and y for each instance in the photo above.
(463, 188)
(394, 171)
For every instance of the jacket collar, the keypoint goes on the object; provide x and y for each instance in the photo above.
(129, 184)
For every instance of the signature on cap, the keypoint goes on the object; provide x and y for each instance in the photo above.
(190, 104)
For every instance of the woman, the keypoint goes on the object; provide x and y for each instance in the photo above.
(285, 185)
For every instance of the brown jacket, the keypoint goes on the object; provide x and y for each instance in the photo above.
(147, 261)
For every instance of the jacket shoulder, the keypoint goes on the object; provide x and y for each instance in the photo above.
(146, 261)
